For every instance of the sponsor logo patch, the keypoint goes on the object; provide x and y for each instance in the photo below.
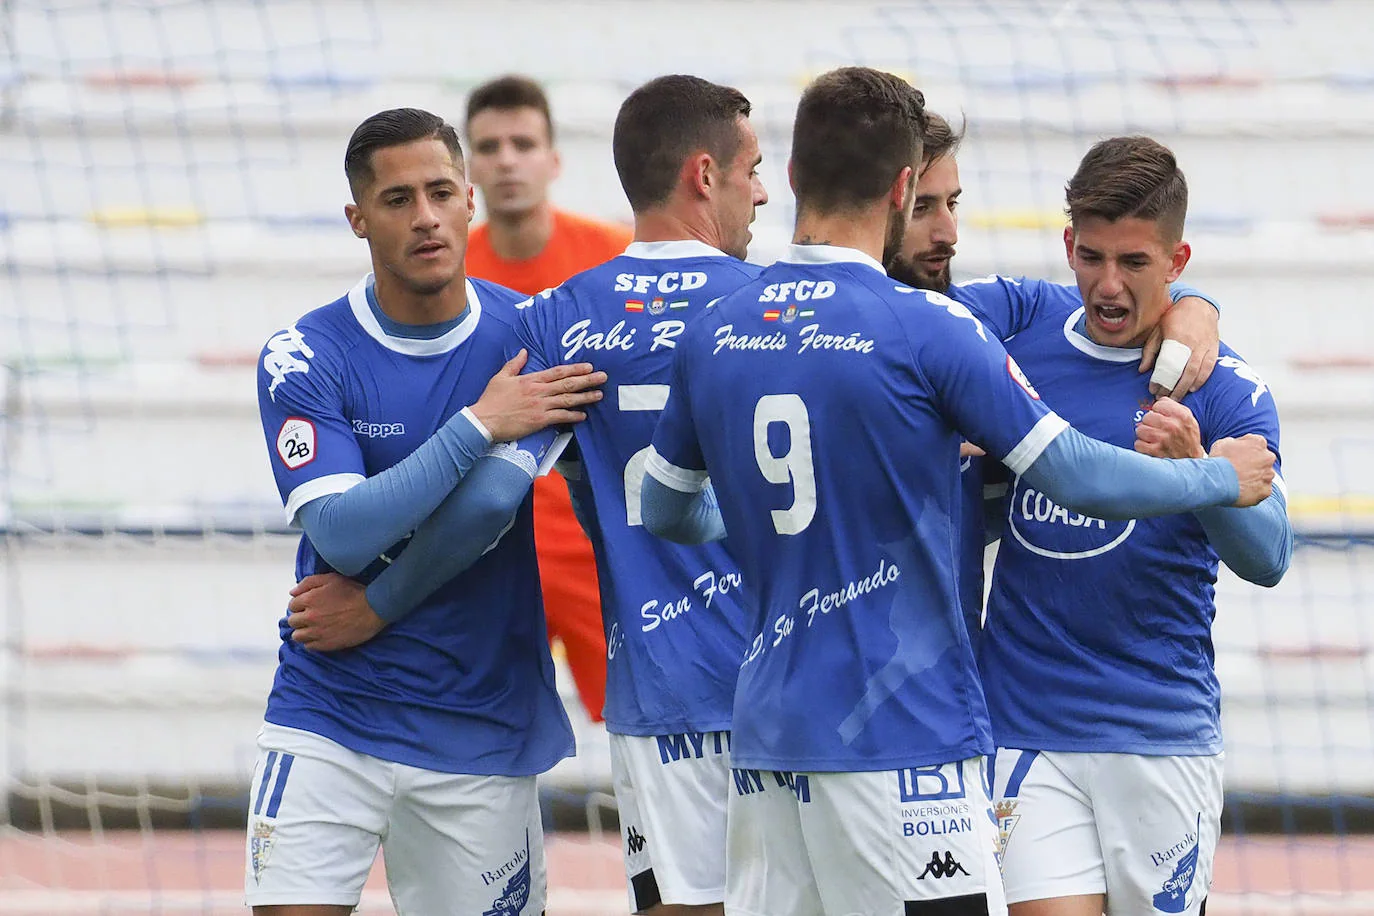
(296, 442)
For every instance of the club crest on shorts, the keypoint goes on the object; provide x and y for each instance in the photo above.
(1004, 814)
(260, 847)
(516, 892)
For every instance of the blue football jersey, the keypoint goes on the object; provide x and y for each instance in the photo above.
(675, 624)
(826, 402)
(1098, 632)
(464, 683)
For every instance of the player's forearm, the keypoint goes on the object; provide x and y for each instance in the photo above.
(466, 525)
(1107, 482)
(1180, 291)
(352, 528)
(1255, 542)
(685, 518)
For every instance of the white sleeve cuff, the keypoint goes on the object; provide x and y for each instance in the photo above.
(477, 424)
(1035, 442)
(684, 480)
(314, 489)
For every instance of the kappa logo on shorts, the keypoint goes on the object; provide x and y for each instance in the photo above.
(516, 893)
(634, 841)
(1173, 897)
(947, 867)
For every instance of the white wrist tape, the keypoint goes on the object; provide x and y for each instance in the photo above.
(1169, 365)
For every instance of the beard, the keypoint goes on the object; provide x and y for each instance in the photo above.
(908, 271)
(896, 234)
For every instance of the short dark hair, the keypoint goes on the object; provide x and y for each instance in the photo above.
(856, 129)
(394, 127)
(663, 122)
(507, 92)
(1130, 177)
(940, 139)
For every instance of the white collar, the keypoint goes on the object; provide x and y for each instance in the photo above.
(414, 346)
(678, 248)
(828, 254)
(1089, 346)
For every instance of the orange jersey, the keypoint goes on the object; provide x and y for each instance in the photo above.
(567, 567)
(577, 244)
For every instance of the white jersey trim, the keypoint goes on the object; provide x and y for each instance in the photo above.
(414, 346)
(314, 489)
(1281, 487)
(665, 251)
(828, 254)
(1035, 442)
(1096, 350)
(684, 480)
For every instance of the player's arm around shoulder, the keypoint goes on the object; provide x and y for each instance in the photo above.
(1007, 305)
(1236, 407)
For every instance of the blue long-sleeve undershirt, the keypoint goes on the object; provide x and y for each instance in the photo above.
(465, 525)
(1255, 542)
(350, 529)
(1079, 473)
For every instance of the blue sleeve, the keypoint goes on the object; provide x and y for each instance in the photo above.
(1255, 542)
(302, 377)
(1104, 481)
(531, 332)
(468, 523)
(685, 518)
(676, 448)
(1179, 291)
(1007, 306)
(351, 528)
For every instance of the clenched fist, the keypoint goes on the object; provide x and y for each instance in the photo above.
(1254, 465)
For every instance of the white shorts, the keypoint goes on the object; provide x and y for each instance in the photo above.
(454, 844)
(912, 842)
(1142, 830)
(672, 792)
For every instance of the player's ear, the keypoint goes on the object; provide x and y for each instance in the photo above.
(557, 164)
(1068, 243)
(900, 194)
(356, 222)
(472, 202)
(791, 182)
(1179, 260)
(697, 170)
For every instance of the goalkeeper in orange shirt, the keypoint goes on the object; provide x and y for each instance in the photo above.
(529, 245)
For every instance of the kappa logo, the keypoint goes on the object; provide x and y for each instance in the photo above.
(281, 360)
(634, 841)
(942, 868)
(1243, 370)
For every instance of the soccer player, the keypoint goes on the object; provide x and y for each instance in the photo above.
(1103, 696)
(825, 403)
(530, 245)
(380, 412)
(675, 626)
(924, 261)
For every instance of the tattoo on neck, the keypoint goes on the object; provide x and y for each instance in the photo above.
(808, 240)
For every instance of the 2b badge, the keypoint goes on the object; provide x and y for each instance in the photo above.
(296, 442)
